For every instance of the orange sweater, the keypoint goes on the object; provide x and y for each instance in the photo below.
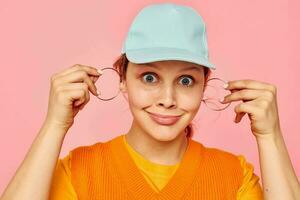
(204, 173)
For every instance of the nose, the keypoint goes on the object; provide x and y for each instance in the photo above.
(167, 97)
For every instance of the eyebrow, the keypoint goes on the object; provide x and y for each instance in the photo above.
(184, 69)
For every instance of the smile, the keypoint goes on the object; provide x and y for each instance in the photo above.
(164, 119)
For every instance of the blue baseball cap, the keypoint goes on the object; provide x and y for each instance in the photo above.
(167, 31)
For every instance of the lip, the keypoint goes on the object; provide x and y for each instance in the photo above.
(164, 116)
(164, 119)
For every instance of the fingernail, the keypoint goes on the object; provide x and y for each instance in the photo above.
(221, 99)
(225, 85)
(98, 93)
(99, 71)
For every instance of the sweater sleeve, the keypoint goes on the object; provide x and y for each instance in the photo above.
(61, 187)
(250, 188)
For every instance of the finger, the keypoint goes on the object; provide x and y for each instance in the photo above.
(77, 100)
(245, 95)
(83, 100)
(74, 95)
(79, 76)
(239, 117)
(82, 104)
(81, 107)
(95, 78)
(247, 107)
(235, 90)
(249, 84)
(89, 69)
(80, 101)
(87, 99)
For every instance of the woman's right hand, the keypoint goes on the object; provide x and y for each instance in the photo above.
(69, 93)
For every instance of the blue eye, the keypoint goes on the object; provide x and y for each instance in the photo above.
(186, 81)
(148, 78)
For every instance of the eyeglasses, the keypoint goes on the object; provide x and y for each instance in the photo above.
(213, 93)
(110, 76)
(108, 85)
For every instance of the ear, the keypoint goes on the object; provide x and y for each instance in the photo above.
(123, 87)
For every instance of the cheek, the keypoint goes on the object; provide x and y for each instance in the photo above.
(138, 96)
(190, 102)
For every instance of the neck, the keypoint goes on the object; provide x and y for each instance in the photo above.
(160, 152)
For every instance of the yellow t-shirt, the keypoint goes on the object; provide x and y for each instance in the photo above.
(156, 175)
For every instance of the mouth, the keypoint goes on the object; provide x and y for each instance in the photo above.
(164, 119)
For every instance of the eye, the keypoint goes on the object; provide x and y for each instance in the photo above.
(148, 77)
(186, 80)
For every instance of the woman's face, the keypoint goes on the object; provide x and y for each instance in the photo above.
(164, 87)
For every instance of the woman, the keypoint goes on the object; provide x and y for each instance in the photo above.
(164, 68)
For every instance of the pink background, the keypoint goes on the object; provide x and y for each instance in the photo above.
(247, 39)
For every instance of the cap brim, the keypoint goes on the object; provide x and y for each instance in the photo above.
(159, 54)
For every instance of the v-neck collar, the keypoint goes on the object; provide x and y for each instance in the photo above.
(135, 181)
(147, 163)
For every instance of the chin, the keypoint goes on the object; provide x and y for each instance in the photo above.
(164, 136)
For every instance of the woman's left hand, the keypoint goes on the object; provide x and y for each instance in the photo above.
(259, 102)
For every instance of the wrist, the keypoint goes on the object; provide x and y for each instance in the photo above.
(57, 124)
(54, 128)
(271, 137)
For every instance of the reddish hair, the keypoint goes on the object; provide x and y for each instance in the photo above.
(121, 65)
